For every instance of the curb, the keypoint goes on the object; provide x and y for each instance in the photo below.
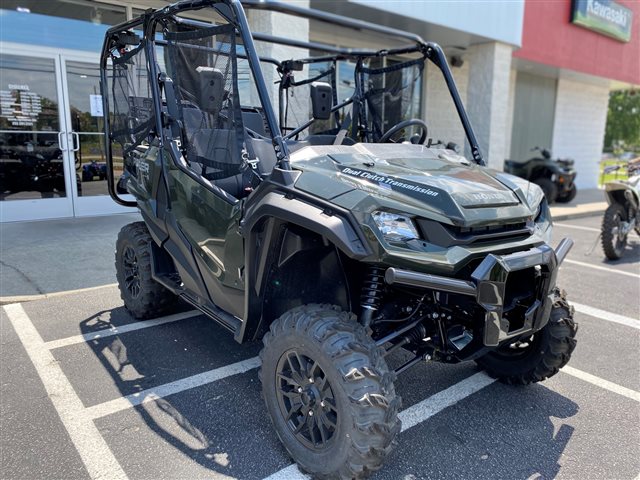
(43, 296)
(571, 216)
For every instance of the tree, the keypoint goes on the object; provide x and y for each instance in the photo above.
(623, 120)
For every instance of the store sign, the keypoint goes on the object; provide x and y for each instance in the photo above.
(603, 16)
(20, 106)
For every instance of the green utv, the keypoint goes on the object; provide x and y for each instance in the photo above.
(331, 228)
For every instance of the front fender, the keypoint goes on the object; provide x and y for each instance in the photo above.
(337, 229)
(265, 215)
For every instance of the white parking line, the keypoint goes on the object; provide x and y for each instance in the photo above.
(292, 472)
(427, 408)
(604, 315)
(602, 383)
(604, 269)
(415, 414)
(576, 227)
(113, 330)
(93, 450)
(152, 394)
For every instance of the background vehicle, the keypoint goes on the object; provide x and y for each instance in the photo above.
(22, 168)
(623, 214)
(555, 176)
(92, 170)
(335, 230)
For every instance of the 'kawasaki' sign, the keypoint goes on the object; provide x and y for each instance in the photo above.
(603, 16)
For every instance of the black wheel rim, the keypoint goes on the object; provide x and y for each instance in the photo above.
(131, 272)
(306, 400)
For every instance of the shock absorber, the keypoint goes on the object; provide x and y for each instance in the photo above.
(371, 294)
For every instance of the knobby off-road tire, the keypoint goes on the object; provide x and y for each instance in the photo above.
(612, 245)
(549, 188)
(568, 196)
(142, 296)
(354, 401)
(540, 357)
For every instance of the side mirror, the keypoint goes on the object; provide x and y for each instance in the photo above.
(321, 100)
(453, 146)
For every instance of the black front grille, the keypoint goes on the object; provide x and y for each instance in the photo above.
(450, 235)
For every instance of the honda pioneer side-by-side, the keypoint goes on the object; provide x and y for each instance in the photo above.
(301, 201)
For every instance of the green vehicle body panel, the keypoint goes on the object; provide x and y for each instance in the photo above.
(469, 196)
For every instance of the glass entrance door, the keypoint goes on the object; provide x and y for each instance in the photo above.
(84, 124)
(52, 160)
(34, 164)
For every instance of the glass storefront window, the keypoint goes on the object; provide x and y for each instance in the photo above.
(83, 83)
(31, 161)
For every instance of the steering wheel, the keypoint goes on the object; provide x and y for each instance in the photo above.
(406, 123)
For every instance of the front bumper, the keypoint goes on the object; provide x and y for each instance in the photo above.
(488, 284)
(564, 180)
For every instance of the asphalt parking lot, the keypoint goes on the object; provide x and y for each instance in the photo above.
(89, 393)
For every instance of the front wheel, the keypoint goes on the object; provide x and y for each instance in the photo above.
(329, 392)
(540, 356)
(568, 196)
(613, 242)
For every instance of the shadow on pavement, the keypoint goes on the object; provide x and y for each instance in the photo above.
(185, 425)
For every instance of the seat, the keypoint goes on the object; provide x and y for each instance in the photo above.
(210, 154)
(253, 121)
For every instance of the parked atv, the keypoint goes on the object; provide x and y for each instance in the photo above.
(555, 177)
(92, 170)
(623, 214)
(338, 242)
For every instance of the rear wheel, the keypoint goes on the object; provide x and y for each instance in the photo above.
(613, 243)
(329, 392)
(568, 196)
(539, 356)
(548, 187)
(142, 296)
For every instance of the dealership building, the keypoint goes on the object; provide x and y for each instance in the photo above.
(530, 73)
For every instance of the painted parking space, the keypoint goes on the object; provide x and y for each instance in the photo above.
(177, 397)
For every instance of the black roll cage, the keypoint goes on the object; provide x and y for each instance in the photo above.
(233, 12)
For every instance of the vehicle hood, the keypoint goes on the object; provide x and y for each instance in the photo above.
(429, 182)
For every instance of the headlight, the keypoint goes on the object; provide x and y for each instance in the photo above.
(535, 195)
(395, 227)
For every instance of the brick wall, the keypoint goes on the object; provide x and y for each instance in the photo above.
(488, 98)
(511, 102)
(578, 131)
(438, 109)
(280, 24)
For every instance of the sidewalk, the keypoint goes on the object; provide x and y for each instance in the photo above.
(40, 258)
(587, 203)
(57, 255)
